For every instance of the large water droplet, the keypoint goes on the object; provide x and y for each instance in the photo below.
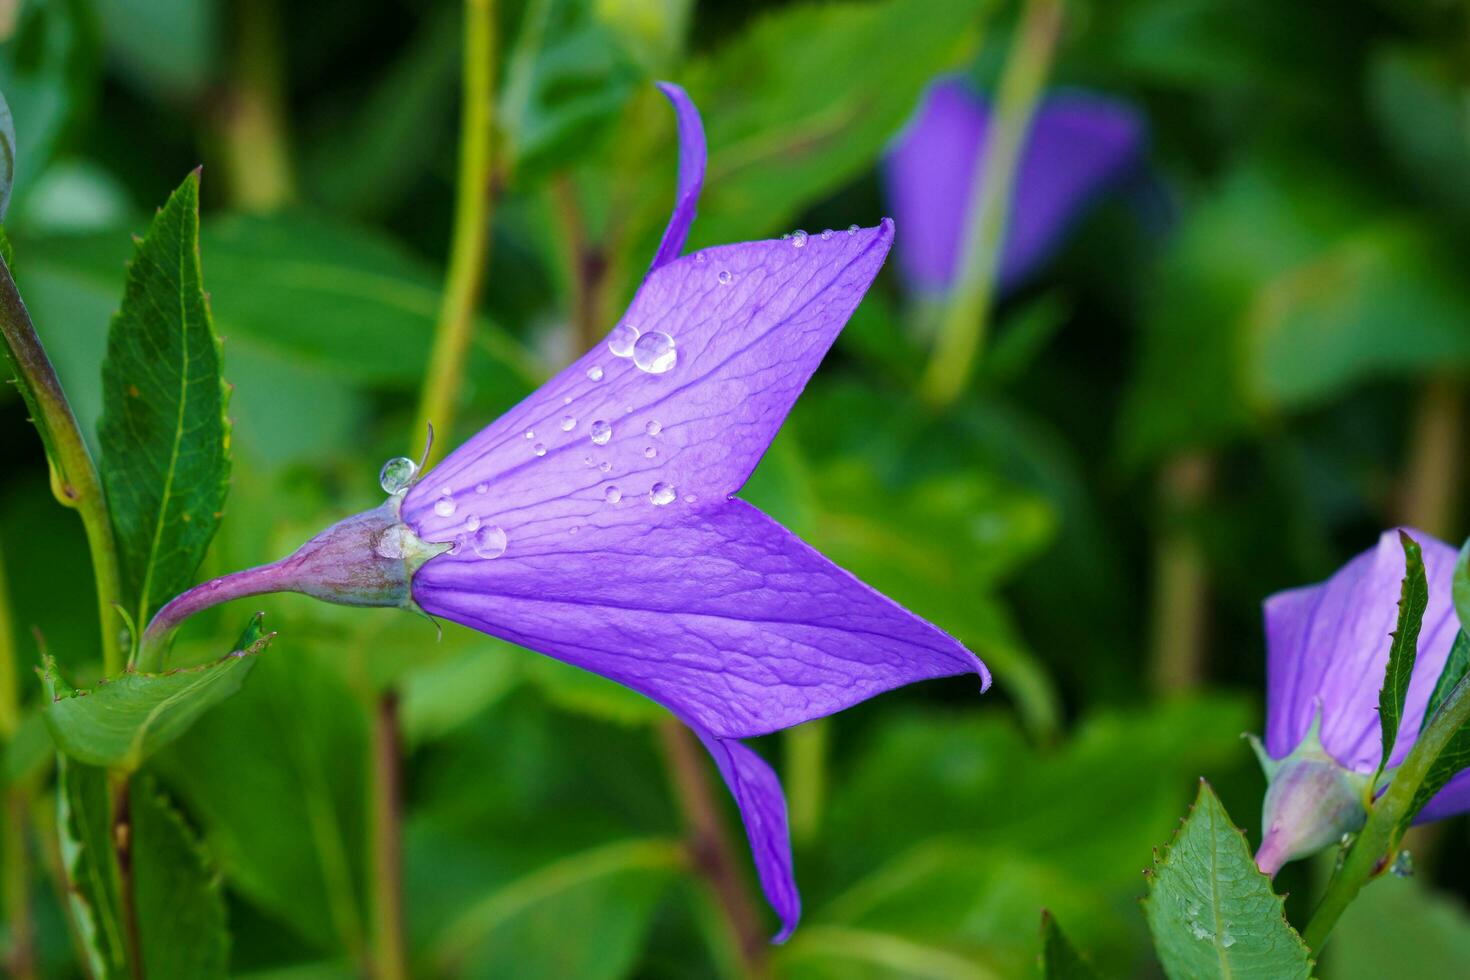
(660, 494)
(488, 541)
(612, 495)
(539, 449)
(655, 352)
(798, 239)
(444, 506)
(621, 340)
(725, 277)
(594, 373)
(1227, 940)
(601, 432)
(397, 474)
(852, 229)
(654, 427)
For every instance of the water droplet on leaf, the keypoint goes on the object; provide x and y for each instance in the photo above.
(1403, 865)
(397, 474)
(654, 352)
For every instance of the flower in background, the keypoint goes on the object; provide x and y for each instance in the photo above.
(596, 521)
(1079, 146)
(1327, 649)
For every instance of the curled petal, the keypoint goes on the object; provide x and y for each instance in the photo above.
(1450, 801)
(712, 609)
(1327, 648)
(691, 175)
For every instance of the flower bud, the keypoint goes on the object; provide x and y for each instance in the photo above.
(1311, 802)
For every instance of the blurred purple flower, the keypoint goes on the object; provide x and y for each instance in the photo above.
(1327, 649)
(1079, 145)
(595, 521)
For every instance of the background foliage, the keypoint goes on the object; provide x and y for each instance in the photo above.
(1238, 370)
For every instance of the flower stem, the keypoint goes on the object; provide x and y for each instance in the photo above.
(390, 951)
(74, 477)
(963, 323)
(1431, 486)
(806, 766)
(586, 264)
(251, 114)
(15, 899)
(470, 244)
(1374, 847)
(1180, 579)
(710, 849)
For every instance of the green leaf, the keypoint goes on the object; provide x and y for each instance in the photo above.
(168, 45)
(1452, 759)
(1059, 961)
(7, 158)
(1400, 927)
(180, 905)
(1418, 103)
(84, 828)
(610, 892)
(1212, 912)
(574, 689)
(124, 720)
(1413, 599)
(1455, 668)
(163, 433)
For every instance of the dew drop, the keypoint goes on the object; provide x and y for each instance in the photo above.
(660, 494)
(390, 543)
(530, 433)
(654, 352)
(488, 541)
(798, 239)
(605, 466)
(444, 506)
(649, 452)
(568, 423)
(472, 522)
(852, 229)
(612, 495)
(621, 340)
(826, 234)
(654, 427)
(1227, 940)
(690, 498)
(397, 474)
(725, 277)
(1403, 865)
(601, 432)
(587, 460)
(539, 449)
(574, 529)
(700, 258)
(482, 488)
(594, 373)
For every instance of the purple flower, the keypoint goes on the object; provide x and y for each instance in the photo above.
(1327, 649)
(1078, 146)
(595, 522)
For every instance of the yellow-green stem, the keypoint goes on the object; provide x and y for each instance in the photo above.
(252, 117)
(1431, 484)
(963, 325)
(1180, 578)
(470, 244)
(74, 477)
(806, 777)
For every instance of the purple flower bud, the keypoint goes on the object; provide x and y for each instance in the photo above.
(1311, 802)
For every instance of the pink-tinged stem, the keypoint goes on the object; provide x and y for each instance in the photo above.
(262, 580)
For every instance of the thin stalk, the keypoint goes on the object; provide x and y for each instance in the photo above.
(963, 325)
(15, 890)
(122, 846)
(470, 244)
(806, 777)
(1432, 476)
(252, 116)
(1373, 849)
(73, 475)
(710, 849)
(390, 949)
(585, 262)
(1180, 579)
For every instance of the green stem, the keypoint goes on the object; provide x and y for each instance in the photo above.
(15, 890)
(963, 325)
(252, 116)
(806, 777)
(74, 477)
(390, 949)
(470, 244)
(1375, 845)
(1431, 487)
(1180, 578)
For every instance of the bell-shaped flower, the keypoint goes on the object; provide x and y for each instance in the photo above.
(1079, 146)
(1327, 649)
(596, 521)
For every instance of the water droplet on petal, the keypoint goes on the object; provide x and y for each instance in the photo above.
(601, 432)
(655, 352)
(654, 427)
(798, 239)
(621, 340)
(594, 373)
(539, 449)
(660, 494)
(472, 523)
(826, 234)
(605, 466)
(575, 528)
(397, 474)
(530, 433)
(690, 498)
(568, 423)
(852, 229)
(725, 277)
(612, 495)
(587, 460)
(700, 258)
(488, 541)
(444, 506)
(649, 452)
(482, 488)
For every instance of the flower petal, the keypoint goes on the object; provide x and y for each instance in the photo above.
(762, 805)
(712, 609)
(749, 324)
(1078, 145)
(691, 175)
(1327, 645)
(1450, 801)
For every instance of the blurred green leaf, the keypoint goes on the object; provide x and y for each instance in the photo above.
(126, 719)
(1419, 107)
(163, 433)
(820, 952)
(1212, 912)
(1413, 600)
(1400, 927)
(520, 930)
(84, 826)
(651, 30)
(574, 689)
(168, 45)
(177, 895)
(1059, 961)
